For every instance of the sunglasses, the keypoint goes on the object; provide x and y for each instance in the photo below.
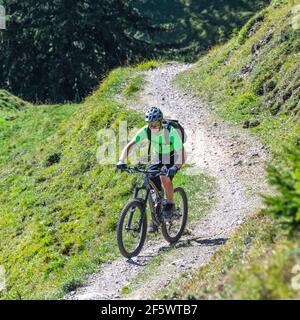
(154, 125)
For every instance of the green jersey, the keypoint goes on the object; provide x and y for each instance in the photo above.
(158, 141)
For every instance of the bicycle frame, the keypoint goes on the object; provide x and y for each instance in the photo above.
(148, 185)
(132, 230)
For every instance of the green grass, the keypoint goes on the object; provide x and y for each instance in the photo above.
(255, 77)
(24, 136)
(252, 78)
(9, 107)
(256, 263)
(137, 80)
(148, 65)
(136, 84)
(58, 207)
(10, 102)
(200, 189)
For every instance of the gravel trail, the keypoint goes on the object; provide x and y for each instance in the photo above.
(237, 161)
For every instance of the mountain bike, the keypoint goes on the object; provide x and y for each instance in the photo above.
(132, 225)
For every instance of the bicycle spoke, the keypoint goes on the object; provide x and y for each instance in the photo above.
(131, 236)
(131, 230)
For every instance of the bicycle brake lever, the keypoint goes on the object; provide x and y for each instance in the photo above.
(164, 170)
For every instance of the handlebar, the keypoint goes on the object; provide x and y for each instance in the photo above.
(154, 173)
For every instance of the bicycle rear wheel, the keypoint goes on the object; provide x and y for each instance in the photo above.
(173, 228)
(132, 229)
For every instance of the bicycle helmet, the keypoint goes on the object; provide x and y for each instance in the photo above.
(153, 114)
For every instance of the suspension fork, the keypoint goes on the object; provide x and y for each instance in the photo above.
(136, 193)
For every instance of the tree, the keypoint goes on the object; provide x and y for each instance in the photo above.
(57, 50)
(199, 24)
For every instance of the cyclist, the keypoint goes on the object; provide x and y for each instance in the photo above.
(168, 147)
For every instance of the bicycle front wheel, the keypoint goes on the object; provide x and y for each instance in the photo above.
(132, 229)
(173, 228)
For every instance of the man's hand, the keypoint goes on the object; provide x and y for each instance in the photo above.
(172, 171)
(121, 165)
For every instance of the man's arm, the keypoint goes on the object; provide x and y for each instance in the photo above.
(182, 158)
(178, 148)
(126, 150)
(141, 134)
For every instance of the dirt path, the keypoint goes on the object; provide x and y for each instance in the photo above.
(229, 154)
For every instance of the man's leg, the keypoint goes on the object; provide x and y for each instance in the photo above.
(168, 187)
(169, 206)
(152, 227)
(167, 184)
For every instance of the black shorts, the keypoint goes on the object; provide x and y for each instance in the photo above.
(158, 162)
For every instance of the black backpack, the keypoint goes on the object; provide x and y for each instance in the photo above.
(167, 124)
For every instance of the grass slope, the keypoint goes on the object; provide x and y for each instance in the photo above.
(256, 263)
(56, 214)
(253, 81)
(58, 207)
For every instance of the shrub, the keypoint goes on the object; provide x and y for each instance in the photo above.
(286, 178)
(71, 284)
(148, 65)
(251, 26)
(8, 101)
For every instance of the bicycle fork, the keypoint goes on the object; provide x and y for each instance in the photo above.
(132, 210)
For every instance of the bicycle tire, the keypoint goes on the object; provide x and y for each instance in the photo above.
(127, 254)
(164, 227)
